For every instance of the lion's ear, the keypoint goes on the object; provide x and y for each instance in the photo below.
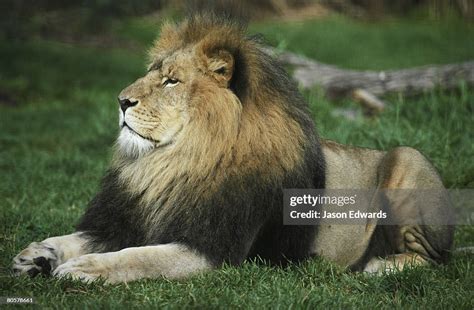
(220, 64)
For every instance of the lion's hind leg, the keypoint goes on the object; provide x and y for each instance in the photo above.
(418, 231)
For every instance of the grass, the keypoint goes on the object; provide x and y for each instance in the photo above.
(55, 145)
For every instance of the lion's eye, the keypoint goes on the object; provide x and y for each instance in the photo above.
(169, 82)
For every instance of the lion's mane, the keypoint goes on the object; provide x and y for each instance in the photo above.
(220, 191)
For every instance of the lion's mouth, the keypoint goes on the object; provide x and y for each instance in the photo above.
(156, 143)
(135, 132)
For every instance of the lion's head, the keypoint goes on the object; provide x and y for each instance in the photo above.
(188, 79)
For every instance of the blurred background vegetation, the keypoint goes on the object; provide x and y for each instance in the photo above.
(69, 19)
(355, 34)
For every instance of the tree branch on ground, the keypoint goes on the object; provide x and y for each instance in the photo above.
(366, 86)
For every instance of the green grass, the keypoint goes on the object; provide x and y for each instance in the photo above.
(56, 143)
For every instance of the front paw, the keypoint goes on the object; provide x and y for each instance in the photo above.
(86, 268)
(37, 258)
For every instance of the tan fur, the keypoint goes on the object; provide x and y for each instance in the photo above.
(393, 263)
(402, 168)
(172, 261)
(57, 250)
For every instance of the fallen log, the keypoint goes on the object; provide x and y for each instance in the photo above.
(366, 86)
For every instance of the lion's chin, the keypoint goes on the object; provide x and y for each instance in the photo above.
(132, 145)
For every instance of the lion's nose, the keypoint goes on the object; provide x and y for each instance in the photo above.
(126, 103)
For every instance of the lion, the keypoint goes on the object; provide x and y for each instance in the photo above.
(209, 138)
